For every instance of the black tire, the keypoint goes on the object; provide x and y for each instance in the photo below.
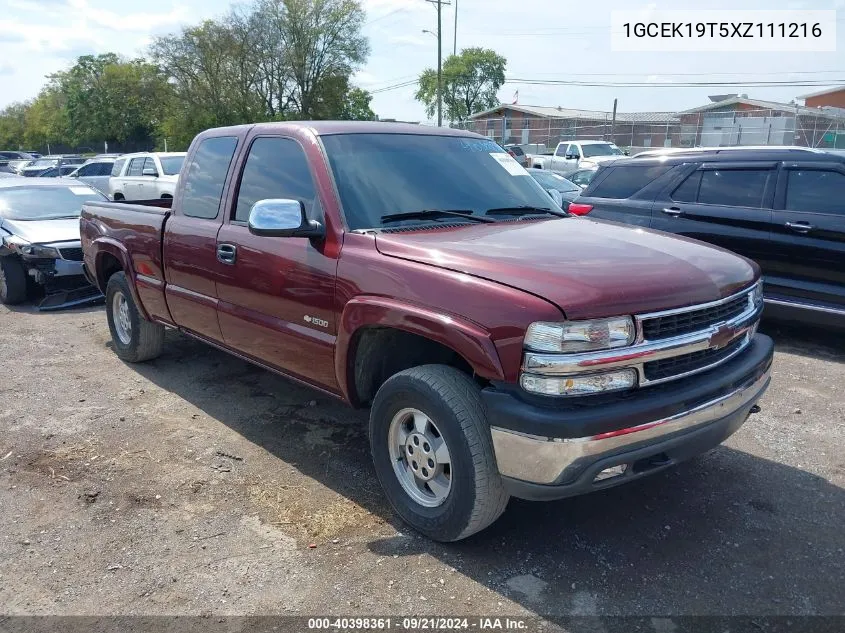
(145, 338)
(451, 400)
(118, 197)
(12, 281)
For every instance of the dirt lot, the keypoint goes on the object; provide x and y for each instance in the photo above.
(196, 484)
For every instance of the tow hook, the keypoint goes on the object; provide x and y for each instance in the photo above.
(754, 409)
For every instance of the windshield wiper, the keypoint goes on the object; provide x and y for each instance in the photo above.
(524, 210)
(425, 214)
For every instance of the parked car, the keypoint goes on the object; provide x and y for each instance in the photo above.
(57, 172)
(784, 209)
(40, 165)
(39, 241)
(567, 191)
(518, 154)
(504, 348)
(7, 155)
(582, 177)
(95, 173)
(570, 156)
(145, 176)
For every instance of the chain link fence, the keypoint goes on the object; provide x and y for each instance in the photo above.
(645, 130)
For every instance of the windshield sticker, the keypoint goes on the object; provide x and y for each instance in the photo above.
(81, 191)
(510, 165)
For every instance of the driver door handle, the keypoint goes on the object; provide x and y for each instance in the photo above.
(227, 253)
(674, 211)
(799, 227)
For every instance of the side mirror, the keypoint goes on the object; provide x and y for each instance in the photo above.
(282, 218)
(555, 194)
(626, 152)
(150, 172)
(571, 156)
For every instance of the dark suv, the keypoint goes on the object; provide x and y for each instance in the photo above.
(783, 208)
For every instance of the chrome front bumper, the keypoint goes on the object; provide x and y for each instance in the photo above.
(550, 461)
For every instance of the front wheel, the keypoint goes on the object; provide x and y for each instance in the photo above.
(433, 453)
(12, 281)
(135, 339)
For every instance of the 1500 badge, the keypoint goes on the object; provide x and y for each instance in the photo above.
(315, 321)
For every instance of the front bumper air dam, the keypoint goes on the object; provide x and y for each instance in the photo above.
(544, 468)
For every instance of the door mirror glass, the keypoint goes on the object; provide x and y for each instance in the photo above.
(280, 217)
(150, 172)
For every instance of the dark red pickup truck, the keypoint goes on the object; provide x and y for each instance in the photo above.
(504, 347)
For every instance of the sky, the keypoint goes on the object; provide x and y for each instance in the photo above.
(541, 39)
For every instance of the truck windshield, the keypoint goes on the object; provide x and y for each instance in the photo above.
(171, 165)
(45, 203)
(600, 149)
(385, 174)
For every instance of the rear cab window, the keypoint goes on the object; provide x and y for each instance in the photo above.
(118, 167)
(205, 176)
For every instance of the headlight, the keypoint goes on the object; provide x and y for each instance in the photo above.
(579, 385)
(34, 250)
(757, 293)
(580, 336)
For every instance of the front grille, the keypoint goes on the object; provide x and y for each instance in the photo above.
(663, 327)
(668, 367)
(71, 254)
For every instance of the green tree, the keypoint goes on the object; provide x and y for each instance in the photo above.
(13, 125)
(356, 106)
(470, 83)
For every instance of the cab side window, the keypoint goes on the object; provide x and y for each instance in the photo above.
(275, 168)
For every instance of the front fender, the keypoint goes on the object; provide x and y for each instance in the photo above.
(466, 338)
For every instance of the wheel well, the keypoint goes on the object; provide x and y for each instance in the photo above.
(109, 265)
(118, 196)
(165, 196)
(378, 353)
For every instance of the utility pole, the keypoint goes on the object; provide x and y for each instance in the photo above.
(439, 4)
(455, 47)
(613, 124)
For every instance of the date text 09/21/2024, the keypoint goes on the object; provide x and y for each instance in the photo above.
(417, 624)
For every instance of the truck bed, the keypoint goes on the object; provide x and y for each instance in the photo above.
(130, 232)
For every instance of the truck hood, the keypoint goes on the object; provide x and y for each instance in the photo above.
(588, 268)
(44, 231)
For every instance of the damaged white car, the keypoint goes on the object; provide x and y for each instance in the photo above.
(40, 252)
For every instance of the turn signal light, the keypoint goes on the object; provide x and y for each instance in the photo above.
(579, 208)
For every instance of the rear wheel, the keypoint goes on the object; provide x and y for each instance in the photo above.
(135, 339)
(12, 281)
(433, 454)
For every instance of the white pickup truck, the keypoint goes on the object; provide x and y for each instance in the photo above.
(572, 155)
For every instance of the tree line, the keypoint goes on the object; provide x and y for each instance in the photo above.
(274, 60)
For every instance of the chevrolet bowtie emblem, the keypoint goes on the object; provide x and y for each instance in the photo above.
(724, 335)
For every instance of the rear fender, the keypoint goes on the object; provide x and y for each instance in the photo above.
(466, 338)
(105, 245)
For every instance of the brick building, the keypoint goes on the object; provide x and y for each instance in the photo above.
(549, 126)
(738, 120)
(833, 98)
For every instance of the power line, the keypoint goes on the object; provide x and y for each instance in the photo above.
(643, 84)
(386, 15)
(689, 84)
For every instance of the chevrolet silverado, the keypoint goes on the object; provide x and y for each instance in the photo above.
(503, 347)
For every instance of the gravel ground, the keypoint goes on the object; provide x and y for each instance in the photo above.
(198, 484)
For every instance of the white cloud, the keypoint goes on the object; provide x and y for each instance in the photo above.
(138, 22)
(423, 40)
